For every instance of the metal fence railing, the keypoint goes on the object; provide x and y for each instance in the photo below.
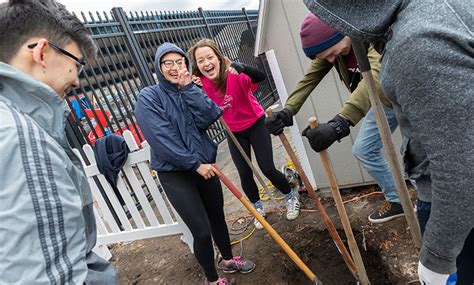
(109, 86)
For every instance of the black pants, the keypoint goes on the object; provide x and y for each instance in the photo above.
(257, 137)
(200, 203)
(465, 259)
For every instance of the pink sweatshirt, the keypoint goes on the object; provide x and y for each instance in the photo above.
(241, 109)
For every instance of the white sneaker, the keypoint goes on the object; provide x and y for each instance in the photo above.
(256, 223)
(292, 207)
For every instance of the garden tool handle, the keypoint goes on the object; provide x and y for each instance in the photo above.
(326, 219)
(360, 51)
(271, 231)
(326, 161)
(313, 122)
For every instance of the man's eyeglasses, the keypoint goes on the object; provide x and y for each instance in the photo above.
(81, 62)
(169, 63)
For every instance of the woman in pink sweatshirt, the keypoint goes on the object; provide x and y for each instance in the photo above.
(230, 86)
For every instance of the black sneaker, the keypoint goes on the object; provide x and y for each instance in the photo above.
(387, 212)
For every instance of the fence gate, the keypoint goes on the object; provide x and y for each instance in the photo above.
(140, 209)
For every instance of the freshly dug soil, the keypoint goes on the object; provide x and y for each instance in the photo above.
(387, 250)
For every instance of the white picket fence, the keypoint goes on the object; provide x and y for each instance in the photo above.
(154, 219)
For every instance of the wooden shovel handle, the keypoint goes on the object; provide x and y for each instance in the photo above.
(326, 219)
(313, 122)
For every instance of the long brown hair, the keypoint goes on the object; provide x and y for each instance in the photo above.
(222, 79)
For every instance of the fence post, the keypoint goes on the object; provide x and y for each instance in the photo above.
(248, 22)
(272, 90)
(208, 28)
(134, 47)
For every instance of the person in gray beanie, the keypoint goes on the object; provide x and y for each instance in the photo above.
(427, 72)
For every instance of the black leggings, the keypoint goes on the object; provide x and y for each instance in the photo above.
(200, 203)
(257, 137)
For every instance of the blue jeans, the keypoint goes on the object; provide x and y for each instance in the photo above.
(368, 150)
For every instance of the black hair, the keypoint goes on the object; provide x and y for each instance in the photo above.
(23, 19)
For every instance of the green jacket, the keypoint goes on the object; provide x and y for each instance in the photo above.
(358, 103)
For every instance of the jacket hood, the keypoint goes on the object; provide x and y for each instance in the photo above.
(160, 52)
(34, 98)
(365, 20)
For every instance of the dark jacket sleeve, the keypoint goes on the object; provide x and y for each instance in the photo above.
(255, 74)
(204, 110)
(161, 135)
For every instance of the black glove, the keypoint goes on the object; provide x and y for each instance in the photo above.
(239, 67)
(278, 121)
(254, 73)
(325, 135)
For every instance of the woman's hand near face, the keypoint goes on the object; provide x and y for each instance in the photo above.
(232, 70)
(184, 77)
(206, 170)
(196, 80)
(229, 68)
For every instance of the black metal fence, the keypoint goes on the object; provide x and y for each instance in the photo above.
(109, 87)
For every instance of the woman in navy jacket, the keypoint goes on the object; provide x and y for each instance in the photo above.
(173, 116)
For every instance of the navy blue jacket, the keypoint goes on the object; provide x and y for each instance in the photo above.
(174, 121)
(111, 152)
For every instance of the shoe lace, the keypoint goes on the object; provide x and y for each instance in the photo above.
(261, 211)
(291, 204)
(238, 261)
(385, 207)
(222, 281)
